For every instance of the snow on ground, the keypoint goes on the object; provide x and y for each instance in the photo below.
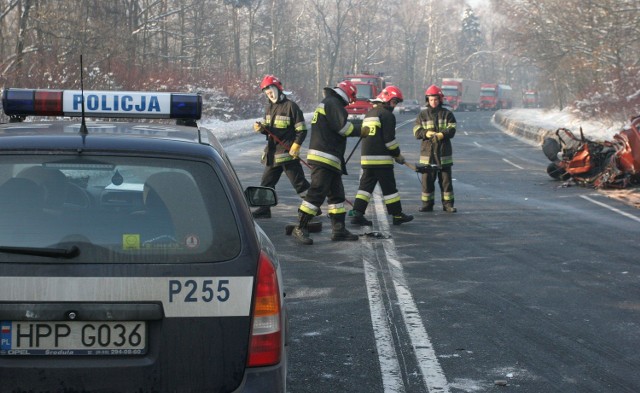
(229, 131)
(554, 119)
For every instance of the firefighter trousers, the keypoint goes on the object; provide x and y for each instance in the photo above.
(445, 181)
(386, 178)
(325, 184)
(293, 170)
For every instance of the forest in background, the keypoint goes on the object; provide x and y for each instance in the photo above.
(582, 54)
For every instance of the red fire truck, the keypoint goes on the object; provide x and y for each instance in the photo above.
(369, 86)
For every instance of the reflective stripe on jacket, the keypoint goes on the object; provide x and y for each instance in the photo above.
(433, 151)
(380, 146)
(285, 120)
(329, 129)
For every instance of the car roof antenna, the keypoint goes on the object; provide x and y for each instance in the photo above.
(83, 124)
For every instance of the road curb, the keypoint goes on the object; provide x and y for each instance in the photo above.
(524, 130)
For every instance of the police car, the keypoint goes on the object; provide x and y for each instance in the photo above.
(129, 260)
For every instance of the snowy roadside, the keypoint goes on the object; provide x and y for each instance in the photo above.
(553, 119)
(537, 124)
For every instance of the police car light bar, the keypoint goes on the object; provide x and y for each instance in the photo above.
(129, 104)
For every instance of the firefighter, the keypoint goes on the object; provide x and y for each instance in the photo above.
(329, 132)
(379, 150)
(436, 126)
(285, 130)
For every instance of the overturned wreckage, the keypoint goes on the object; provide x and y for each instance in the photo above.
(608, 164)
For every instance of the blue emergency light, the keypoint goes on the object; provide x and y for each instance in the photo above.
(129, 104)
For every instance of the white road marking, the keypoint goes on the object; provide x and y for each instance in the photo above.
(432, 375)
(511, 163)
(613, 209)
(477, 144)
(405, 122)
(389, 365)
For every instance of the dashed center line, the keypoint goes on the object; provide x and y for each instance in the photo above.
(613, 209)
(511, 163)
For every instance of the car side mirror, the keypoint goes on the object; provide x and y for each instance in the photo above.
(261, 196)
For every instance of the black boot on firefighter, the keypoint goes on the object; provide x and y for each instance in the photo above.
(448, 207)
(359, 218)
(426, 207)
(301, 232)
(262, 212)
(339, 231)
(401, 218)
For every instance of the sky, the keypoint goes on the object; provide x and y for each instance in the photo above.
(549, 119)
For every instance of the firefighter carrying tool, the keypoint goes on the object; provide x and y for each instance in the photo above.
(285, 130)
(314, 225)
(379, 150)
(329, 131)
(281, 143)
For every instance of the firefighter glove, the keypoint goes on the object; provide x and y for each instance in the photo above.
(294, 150)
(364, 132)
(430, 134)
(440, 136)
(257, 127)
(400, 159)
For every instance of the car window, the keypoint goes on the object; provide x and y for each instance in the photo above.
(114, 209)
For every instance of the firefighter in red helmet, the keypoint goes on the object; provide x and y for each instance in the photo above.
(379, 150)
(285, 130)
(329, 132)
(436, 126)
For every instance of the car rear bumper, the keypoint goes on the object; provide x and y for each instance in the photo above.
(264, 380)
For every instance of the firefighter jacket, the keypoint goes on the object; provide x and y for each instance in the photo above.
(329, 132)
(434, 151)
(379, 144)
(285, 120)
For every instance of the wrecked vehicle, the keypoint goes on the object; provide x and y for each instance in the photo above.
(608, 164)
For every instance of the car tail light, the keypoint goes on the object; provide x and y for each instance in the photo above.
(266, 332)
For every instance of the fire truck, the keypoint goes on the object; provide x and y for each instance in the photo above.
(495, 96)
(369, 86)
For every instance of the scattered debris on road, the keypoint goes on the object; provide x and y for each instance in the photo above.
(608, 164)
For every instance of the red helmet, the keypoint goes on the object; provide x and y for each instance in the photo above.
(433, 90)
(270, 80)
(349, 89)
(390, 92)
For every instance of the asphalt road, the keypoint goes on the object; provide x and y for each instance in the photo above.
(530, 284)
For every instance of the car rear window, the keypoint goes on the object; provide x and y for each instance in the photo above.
(113, 209)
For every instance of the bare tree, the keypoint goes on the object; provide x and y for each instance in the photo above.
(331, 19)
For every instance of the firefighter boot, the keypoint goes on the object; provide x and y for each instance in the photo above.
(426, 207)
(448, 207)
(401, 218)
(339, 231)
(301, 232)
(262, 212)
(359, 219)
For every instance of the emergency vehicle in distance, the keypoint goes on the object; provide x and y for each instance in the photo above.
(461, 94)
(129, 259)
(369, 86)
(495, 96)
(530, 99)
